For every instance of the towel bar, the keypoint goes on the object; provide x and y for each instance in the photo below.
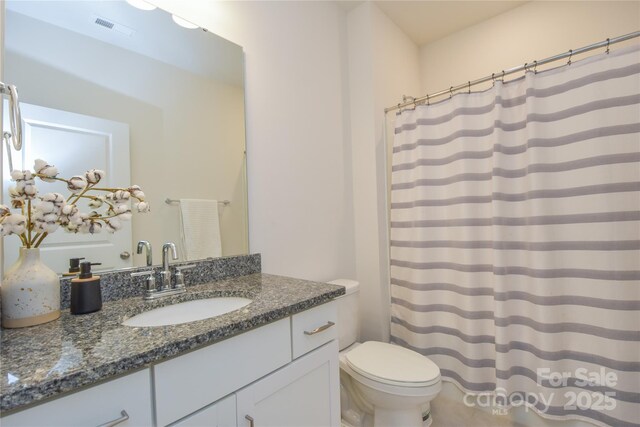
(171, 201)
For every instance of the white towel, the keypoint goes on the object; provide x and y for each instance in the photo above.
(200, 229)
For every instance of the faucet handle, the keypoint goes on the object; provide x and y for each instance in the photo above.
(180, 276)
(150, 283)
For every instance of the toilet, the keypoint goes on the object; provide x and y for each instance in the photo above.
(381, 385)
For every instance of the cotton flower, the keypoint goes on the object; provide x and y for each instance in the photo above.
(112, 225)
(123, 212)
(25, 188)
(94, 176)
(136, 192)
(77, 184)
(51, 203)
(56, 199)
(143, 207)
(119, 196)
(4, 211)
(95, 227)
(90, 226)
(95, 203)
(70, 216)
(17, 175)
(46, 171)
(14, 224)
(44, 222)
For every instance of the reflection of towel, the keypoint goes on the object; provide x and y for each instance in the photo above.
(200, 229)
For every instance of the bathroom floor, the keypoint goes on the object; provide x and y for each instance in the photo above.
(449, 413)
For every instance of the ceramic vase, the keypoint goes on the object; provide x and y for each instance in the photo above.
(30, 292)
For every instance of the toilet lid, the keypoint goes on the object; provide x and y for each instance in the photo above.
(392, 364)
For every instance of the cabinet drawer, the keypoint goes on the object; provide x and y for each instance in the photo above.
(312, 328)
(93, 406)
(192, 381)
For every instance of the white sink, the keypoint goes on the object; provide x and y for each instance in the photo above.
(188, 311)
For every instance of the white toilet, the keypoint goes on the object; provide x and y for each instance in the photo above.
(381, 385)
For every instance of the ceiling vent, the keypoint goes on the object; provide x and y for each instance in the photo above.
(113, 26)
(105, 23)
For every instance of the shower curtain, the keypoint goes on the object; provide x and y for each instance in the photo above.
(515, 239)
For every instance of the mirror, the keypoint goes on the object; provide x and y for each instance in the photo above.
(178, 92)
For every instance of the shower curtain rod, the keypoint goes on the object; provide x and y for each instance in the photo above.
(526, 66)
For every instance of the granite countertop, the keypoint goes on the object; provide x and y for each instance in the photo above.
(75, 351)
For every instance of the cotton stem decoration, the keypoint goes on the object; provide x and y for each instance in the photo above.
(41, 215)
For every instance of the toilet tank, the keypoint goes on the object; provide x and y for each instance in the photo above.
(348, 312)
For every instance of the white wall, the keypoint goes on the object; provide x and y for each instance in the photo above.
(383, 63)
(299, 160)
(534, 31)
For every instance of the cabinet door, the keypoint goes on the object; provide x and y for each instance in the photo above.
(219, 414)
(304, 393)
(94, 406)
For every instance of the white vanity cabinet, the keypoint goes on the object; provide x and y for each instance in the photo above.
(99, 405)
(281, 374)
(304, 391)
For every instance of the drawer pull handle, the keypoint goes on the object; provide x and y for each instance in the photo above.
(250, 418)
(319, 329)
(124, 417)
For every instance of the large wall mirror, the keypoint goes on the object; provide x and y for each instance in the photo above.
(105, 85)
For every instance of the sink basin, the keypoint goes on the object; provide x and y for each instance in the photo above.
(188, 311)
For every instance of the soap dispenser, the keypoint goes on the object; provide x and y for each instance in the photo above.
(86, 296)
(74, 267)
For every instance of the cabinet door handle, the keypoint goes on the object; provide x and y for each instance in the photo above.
(123, 417)
(250, 418)
(319, 329)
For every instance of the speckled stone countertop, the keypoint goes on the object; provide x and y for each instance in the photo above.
(75, 351)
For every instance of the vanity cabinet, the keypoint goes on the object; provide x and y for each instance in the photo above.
(95, 406)
(281, 374)
(304, 391)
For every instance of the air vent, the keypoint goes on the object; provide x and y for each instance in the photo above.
(105, 23)
(112, 25)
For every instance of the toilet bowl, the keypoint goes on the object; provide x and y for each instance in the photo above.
(381, 384)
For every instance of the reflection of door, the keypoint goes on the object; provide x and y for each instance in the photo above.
(73, 143)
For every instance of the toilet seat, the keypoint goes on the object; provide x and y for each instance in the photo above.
(392, 365)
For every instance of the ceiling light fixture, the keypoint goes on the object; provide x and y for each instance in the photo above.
(141, 4)
(184, 23)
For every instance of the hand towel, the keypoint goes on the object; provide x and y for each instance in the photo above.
(200, 229)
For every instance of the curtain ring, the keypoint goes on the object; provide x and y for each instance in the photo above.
(469, 89)
(502, 76)
(450, 91)
(525, 67)
(570, 55)
(535, 67)
(493, 78)
(428, 103)
(607, 51)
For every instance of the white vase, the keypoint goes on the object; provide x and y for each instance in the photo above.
(30, 292)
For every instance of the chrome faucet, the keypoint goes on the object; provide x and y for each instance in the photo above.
(150, 292)
(165, 274)
(146, 245)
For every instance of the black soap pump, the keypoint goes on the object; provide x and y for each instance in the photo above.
(74, 267)
(86, 296)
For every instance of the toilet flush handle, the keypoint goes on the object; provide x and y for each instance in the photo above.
(250, 418)
(320, 329)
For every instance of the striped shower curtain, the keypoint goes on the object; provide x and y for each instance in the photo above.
(515, 239)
